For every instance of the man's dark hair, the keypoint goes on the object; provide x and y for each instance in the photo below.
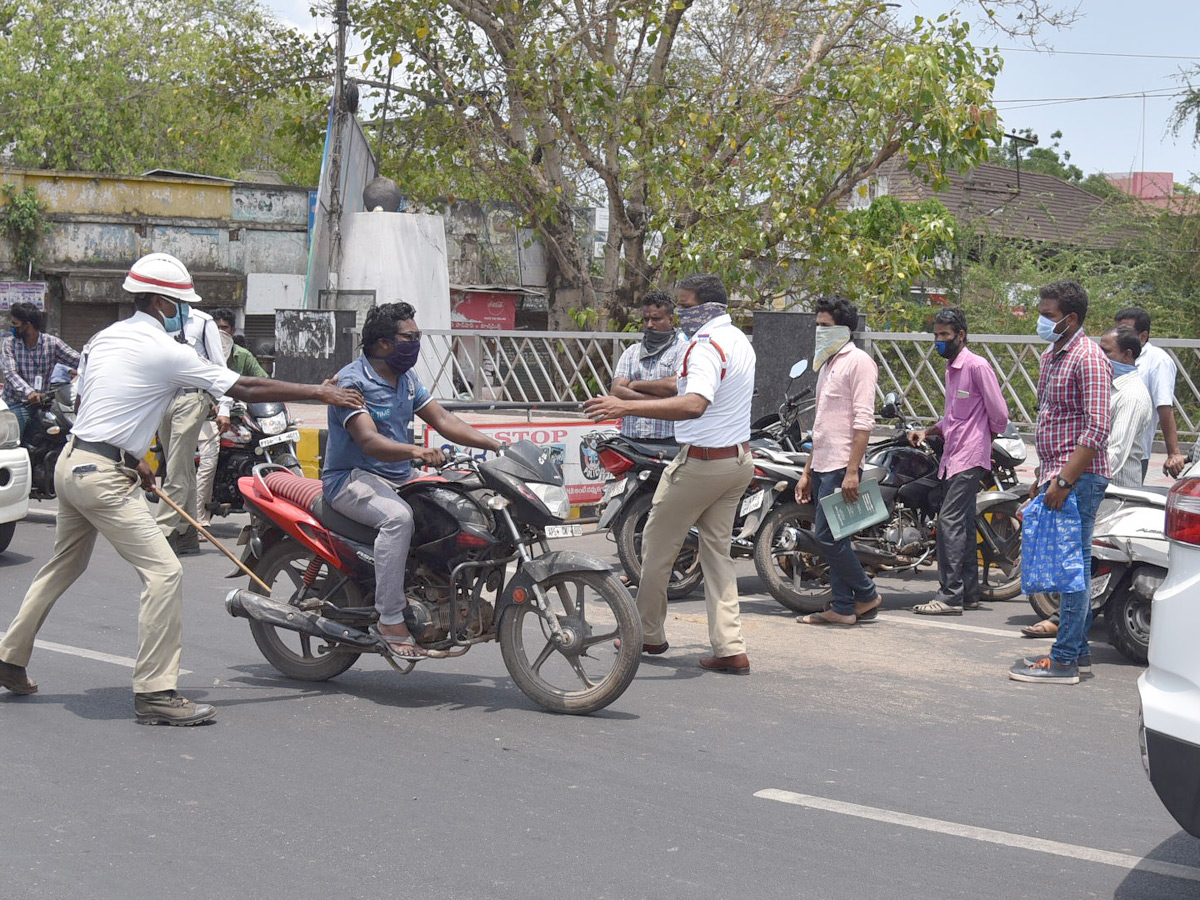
(954, 317)
(225, 314)
(381, 321)
(1127, 339)
(27, 313)
(1141, 318)
(843, 311)
(707, 288)
(141, 302)
(659, 299)
(1070, 297)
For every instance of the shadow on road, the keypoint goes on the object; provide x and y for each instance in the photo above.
(1183, 850)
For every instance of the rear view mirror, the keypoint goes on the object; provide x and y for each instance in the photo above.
(799, 369)
(890, 409)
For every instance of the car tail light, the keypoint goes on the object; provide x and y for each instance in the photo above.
(1183, 511)
(615, 462)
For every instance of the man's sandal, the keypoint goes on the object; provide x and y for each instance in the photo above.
(1043, 629)
(400, 646)
(937, 608)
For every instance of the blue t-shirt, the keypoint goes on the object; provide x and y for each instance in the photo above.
(391, 408)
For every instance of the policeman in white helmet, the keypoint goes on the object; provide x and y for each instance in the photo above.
(179, 430)
(129, 374)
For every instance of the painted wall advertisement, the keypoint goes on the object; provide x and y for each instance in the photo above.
(582, 472)
(22, 292)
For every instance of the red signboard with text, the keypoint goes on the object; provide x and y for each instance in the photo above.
(483, 310)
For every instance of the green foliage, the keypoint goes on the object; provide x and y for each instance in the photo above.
(720, 137)
(1051, 160)
(23, 222)
(214, 86)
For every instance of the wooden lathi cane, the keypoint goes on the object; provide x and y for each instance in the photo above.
(212, 540)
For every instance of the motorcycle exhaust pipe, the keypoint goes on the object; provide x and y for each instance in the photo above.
(243, 604)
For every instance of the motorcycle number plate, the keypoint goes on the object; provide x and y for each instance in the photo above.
(613, 489)
(562, 531)
(1099, 584)
(292, 436)
(751, 503)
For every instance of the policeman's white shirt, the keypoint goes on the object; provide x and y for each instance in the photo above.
(128, 375)
(202, 334)
(719, 366)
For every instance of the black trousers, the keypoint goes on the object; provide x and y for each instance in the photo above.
(957, 541)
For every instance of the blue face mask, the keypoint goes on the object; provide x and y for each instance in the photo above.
(1120, 368)
(174, 323)
(1045, 330)
(16, 332)
(947, 349)
(404, 357)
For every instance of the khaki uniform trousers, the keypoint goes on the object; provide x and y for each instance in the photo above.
(97, 495)
(179, 433)
(206, 471)
(704, 493)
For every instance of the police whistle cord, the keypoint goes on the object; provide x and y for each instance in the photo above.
(212, 540)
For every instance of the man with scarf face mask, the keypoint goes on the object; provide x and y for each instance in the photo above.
(646, 370)
(975, 411)
(370, 451)
(703, 484)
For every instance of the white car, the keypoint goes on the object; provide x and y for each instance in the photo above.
(14, 476)
(1169, 690)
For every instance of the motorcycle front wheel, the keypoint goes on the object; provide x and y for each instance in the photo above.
(1127, 621)
(292, 653)
(686, 574)
(584, 673)
(783, 567)
(1004, 530)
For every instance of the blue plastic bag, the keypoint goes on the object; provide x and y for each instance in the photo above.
(1052, 548)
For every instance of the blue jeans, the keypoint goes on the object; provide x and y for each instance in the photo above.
(21, 411)
(1075, 608)
(849, 581)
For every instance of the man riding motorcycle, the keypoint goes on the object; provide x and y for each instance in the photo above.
(367, 456)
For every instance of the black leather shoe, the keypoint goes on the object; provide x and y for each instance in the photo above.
(15, 679)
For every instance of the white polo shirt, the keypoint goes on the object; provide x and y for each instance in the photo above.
(719, 366)
(1158, 373)
(128, 375)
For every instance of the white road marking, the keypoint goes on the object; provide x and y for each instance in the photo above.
(988, 835)
(914, 619)
(83, 652)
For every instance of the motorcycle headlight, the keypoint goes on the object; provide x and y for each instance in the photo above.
(10, 430)
(275, 424)
(554, 496)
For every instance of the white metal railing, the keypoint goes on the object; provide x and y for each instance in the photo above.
(563, 366)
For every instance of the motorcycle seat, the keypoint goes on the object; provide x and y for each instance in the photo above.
(308, 494)
(655, 449)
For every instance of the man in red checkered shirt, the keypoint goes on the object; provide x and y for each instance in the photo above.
(1074, 387)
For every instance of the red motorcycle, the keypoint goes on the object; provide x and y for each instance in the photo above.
(480, 569)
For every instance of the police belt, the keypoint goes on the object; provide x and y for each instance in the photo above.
(108, 451)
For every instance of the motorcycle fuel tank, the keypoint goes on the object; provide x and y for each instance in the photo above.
(902, 465)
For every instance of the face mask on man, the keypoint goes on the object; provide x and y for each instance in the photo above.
(174, 323)
(948, 349)
(656, 341)
(16, 332)
(1120, 368)
(829, 339)
(693, 318)
(226, 345)
(404, 357)
(1046, 329)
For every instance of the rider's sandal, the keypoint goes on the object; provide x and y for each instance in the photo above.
(937, 608)
(400, 647)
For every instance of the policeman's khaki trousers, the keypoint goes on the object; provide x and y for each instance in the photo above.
(206, 471)
(704, 493)
(178, 433)
(96, 495)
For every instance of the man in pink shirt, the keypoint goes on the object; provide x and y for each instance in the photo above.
(975, 413)
(845, 415)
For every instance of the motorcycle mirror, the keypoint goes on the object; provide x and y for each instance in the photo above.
(799, 369)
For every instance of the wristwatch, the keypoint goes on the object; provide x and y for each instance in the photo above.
(1063, 484)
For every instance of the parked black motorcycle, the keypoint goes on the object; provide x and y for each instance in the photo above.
(46, 433)
(259, 433)
(791, 561)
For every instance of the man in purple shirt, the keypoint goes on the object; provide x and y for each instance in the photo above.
(975, 413)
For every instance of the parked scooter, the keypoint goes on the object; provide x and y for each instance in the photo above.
(791, 561)
(1129, 562)
(46, 434)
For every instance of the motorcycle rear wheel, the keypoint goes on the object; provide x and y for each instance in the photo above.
(597, 609)
(1127, 622)
(775, 560)
(1005, 527)
(292, 653)
(686, 574)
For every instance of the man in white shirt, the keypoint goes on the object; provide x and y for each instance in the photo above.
(704, 483)
(1131, 408)
(129, 374)
(179, 430)
(1158, 372)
